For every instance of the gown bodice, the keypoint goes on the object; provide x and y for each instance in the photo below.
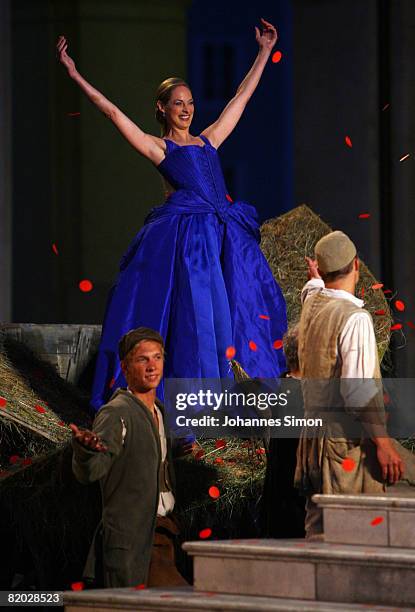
(197, 169)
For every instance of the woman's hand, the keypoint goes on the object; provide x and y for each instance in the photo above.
(63, 57)
(268, 37)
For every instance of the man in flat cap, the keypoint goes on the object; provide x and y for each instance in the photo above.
(129, 453)
(337, 341)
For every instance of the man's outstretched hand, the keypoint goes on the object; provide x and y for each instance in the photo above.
(312, 268)
(87, 438)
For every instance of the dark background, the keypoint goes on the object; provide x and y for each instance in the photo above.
(72, 181)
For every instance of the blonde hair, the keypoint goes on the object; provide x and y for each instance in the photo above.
(163, 95)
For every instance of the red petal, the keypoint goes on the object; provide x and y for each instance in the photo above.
(77, 586)
(3, 402)
(214, 492)
(348, 141)
(55, 249)
(73, 114)
(411, 325)
(348, 464)
(377, 520)
(62, 424)
(399, 305)
(396, 326)
(205, 533)
(276, 57)
(386, 399)
(112, 382)
(266, 317)
(40, 409)
(278, 344)
(364, 215)
(386, 106)
(380, 312)
(27, 461)
(362, 292)
(139, 587)
(253, 346)
(228, 197)
(377, 286)
(85, 285)
(220, 443)
(14, 459)
(199, 454)
(260, 451)
(230, 352)
(218, 460)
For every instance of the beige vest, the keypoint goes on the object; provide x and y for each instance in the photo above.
(320, 458)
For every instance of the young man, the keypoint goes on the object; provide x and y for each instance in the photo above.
(129, 453)
(337, 341)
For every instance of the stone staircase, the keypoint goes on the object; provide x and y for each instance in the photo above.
(367, 561)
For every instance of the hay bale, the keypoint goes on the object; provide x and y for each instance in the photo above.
(287, 240)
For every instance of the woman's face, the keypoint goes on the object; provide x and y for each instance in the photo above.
(179, 109)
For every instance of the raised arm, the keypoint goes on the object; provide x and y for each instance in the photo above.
(150, 146)
(225, 124)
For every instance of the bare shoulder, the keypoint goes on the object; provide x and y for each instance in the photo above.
(209, 132)
(157, 150)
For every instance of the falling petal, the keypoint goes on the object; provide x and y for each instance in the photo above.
(40, 409)
(228, 197)
(205, 533)
(362, 292)
(348, 141)
(348, 464)
(73, 114)
(379, 312)
(364, 215)
(266, 317)
(14, 459)
(278, 344)
(230, 352)
(377, 521)
(199, 454)
(220, 443)
(396, 326)
(386, 399)
(112, 382)
(276, 57)
(139, 587)
(411, 325)
(253, 346)
(385, 291)
(3, 402)
(27, 461)
(377, 286)
(214, 492)
(386, 106)
(85, 285)
(55, 249)
(399, 305)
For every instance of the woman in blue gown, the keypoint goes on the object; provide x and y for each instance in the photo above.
(195, 271)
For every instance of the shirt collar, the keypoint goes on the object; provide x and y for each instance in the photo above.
(344, 295)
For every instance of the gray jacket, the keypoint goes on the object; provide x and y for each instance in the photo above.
(128, 473)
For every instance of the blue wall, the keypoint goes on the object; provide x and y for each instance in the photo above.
(258, 156)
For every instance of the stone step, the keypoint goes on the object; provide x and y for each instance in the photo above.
(297, 569)
(368, 519)
(186, 599)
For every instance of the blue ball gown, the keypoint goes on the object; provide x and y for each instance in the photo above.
(196, 274)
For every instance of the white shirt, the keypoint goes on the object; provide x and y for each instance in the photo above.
(357, 348)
